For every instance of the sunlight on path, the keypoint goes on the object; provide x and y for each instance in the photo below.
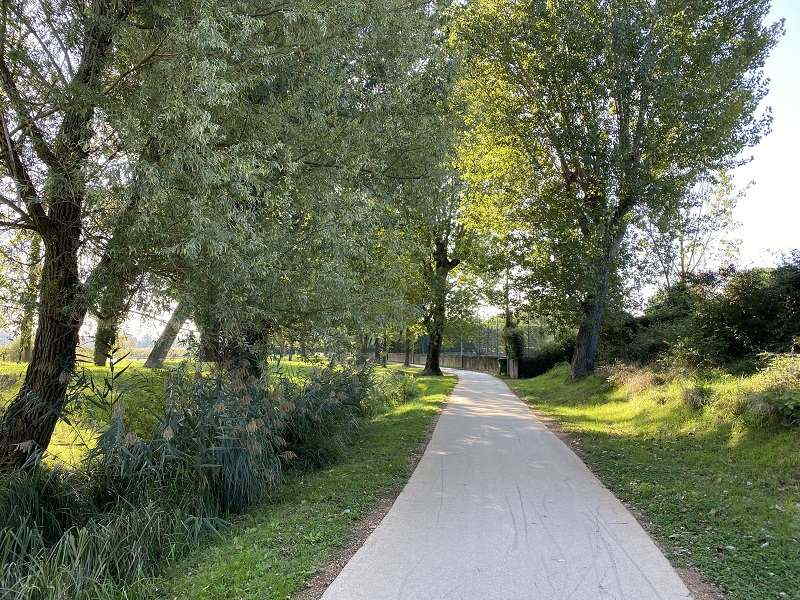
(500, 509)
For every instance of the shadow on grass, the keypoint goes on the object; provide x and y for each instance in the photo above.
(273, 552)
(719, 494)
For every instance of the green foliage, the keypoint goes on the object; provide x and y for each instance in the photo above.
(587, 117)
(133, 504)
(547, 357)
(717, 319)
(321, 417)
(775, 393)
(513, 339)
(274, 552)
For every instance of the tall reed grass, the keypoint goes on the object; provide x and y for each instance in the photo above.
(220, 445)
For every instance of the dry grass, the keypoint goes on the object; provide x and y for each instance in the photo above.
(632, 378)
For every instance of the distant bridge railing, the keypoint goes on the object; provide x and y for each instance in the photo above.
(487, 364)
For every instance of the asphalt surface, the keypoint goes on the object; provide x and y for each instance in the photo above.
(500, 509)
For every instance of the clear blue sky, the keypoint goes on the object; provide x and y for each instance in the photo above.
(770, 212)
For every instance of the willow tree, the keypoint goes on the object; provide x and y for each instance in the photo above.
(189, 133)
(57, 62)
(617, 105)
(275, 244)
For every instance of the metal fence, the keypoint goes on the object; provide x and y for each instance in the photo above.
(488, 364)
(486, 340)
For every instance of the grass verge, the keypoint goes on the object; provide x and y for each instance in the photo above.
(719, 494)
(273, 552)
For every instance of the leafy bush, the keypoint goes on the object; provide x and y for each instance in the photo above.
(320, 418)
(757, 311)
(396, 388)
(775, 396)
(716, 319)
(546, 358)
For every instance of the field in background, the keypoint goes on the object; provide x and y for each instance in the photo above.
(720, 492)
(142, 392)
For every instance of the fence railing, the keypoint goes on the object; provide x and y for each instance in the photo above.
(487, 364)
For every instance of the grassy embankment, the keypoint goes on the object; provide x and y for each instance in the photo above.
(719, 489)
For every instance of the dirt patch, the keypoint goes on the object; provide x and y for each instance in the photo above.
(700, 588)
(320, 582)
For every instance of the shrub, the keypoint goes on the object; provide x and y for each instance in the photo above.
(395, 388)
(775, 395)
(319, 418)
(714, 319)
(217, 437)
(547, 357)
(218, 446)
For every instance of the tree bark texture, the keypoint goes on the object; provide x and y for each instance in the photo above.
(114, 305)
(587, 342)
(31, 299)
(31, 417)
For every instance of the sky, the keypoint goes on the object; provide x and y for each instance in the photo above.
(770, 210)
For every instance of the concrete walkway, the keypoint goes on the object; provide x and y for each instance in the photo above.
(500, 509)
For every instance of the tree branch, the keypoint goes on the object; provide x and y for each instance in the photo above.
(40, 145)
(22, 179)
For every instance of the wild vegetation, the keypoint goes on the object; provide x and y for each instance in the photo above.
(138, 501)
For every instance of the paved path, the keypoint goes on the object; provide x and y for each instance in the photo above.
(500, 509)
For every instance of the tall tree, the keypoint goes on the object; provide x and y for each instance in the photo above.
(441, 241)
(54, 70)
(695, 234)
(618, 105)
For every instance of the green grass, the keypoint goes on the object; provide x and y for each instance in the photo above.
(143, 395)
(720, 494)
(273, 552)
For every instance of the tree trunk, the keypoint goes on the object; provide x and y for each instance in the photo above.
(432, 360)
(376, 350)
(31, 298)
(406, 348)
(114, 305)
(435, 327)
(588, 340)
(167, 338)
(363, 351)
(30, 419)
(104, 339)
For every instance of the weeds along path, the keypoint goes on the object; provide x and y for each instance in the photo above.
(500, 509)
